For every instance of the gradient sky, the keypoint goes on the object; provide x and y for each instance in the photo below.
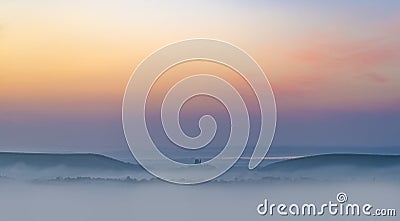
(334, 66)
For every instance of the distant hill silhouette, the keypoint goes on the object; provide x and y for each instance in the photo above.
(363, 161)
(78, 167)
(46, 160)
(337, 167)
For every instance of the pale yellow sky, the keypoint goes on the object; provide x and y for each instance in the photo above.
(64, 65)
(54, 54)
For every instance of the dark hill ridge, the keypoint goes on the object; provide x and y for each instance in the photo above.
(336, 168)
(80, 160)
(365, 161)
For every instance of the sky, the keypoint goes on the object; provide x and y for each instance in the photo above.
(64, 65)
